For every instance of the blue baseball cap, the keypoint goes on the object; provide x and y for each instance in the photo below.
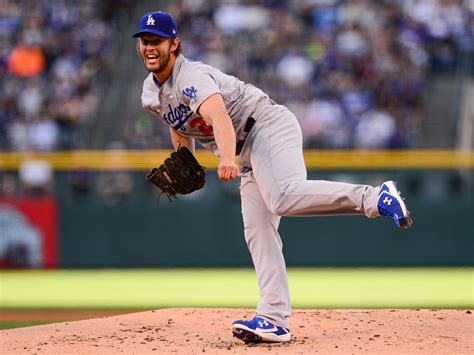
(158, 23)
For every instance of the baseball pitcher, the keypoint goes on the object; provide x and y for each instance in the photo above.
(232, 118)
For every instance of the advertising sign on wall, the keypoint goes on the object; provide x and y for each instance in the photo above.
(28, 233)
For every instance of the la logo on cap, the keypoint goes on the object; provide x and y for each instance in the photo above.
(150, 21)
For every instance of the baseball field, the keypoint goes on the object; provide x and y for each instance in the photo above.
(384, 310)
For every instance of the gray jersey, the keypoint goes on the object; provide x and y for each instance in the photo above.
(273, 179)
(177, 101)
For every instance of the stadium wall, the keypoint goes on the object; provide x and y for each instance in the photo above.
(204, 229)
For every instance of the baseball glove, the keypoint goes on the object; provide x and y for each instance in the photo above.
(180, 173)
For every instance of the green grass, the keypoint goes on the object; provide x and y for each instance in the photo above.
(310, 288)
(15, 324)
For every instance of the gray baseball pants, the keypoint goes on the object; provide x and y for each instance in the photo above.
(274, 184)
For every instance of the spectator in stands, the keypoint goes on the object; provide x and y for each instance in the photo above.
(115, 186)
(324, 125)
(27, 59)
(374, 130)
(36, 178)
(44, 132)
(18, 134)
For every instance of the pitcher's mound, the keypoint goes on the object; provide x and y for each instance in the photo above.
(188, 331)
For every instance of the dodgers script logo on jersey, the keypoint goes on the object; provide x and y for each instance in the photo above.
(178, 116)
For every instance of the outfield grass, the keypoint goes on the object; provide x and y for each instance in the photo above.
(310, 288)
(14, 324)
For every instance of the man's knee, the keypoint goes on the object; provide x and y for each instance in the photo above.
(279, 206)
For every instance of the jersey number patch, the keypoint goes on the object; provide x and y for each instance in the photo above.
(202, 126)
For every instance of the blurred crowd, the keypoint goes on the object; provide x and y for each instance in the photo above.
(353, 72)
(54, 58)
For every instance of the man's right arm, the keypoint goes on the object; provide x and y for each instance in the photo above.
(180, 141)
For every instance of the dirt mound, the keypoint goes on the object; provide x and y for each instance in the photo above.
(188, 331)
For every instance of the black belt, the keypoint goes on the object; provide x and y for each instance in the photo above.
(243, 135)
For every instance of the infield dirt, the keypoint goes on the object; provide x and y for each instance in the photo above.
(200, 330)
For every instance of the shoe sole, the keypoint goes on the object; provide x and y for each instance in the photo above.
(249, 336)
(405, 222)
(246, 336)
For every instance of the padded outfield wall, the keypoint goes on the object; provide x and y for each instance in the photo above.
(205, 229)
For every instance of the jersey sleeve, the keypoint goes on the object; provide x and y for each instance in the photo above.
(196, 88)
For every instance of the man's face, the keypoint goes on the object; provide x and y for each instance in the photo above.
(155, 51)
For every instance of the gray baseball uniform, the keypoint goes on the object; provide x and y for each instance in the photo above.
(274, 181)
